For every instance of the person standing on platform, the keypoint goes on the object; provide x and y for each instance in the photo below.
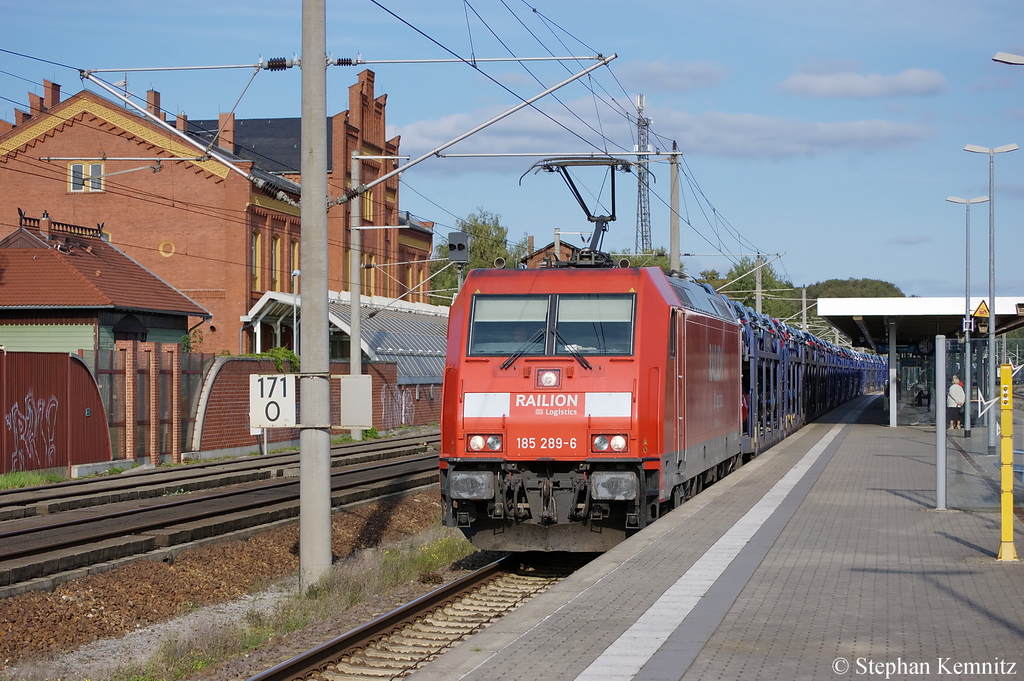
(955, 398)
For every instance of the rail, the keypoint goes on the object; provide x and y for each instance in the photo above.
(315, 660)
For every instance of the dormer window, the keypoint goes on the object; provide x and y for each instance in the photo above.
(86, 177)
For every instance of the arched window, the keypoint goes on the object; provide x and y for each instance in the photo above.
(275, 263)
(256, 254)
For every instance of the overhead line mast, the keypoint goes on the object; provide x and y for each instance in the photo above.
(643, 203)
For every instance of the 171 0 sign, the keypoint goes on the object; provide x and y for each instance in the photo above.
(271, 400)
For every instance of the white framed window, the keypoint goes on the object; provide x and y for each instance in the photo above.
(85, 177)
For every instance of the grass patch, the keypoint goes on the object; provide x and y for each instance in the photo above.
(350, 582)
(368, 434)
(16, 479)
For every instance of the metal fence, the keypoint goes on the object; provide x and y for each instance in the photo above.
(53, 415)
(136, 421)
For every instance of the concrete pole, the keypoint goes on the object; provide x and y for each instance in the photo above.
(673, 219)
(314, 442)
(757, 278)
(894, 390)
(355, 286)
(940, 422)
(803, 308)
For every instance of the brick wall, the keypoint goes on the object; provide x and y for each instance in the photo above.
(223, 419)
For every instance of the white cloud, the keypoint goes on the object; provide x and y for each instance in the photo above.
(752, 136)
(917, 82)
(678, 76)
(712, 133)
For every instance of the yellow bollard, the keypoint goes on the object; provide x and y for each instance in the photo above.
(1007, 551)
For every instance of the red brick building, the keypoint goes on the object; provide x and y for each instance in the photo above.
(223, 231)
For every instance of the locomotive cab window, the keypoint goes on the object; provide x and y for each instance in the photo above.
(502, 325)
(594, 324)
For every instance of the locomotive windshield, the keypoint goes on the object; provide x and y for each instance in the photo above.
(503, 325)
(594, 324)
(565, 324)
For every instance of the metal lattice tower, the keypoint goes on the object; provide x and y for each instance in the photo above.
(643, 176)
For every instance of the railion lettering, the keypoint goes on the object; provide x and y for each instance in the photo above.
(548, 400)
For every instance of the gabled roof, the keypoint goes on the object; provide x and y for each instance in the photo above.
(22, 238)
(86, 104)
(75, 271)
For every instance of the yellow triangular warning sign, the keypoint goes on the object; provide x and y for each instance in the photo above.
(982, 310)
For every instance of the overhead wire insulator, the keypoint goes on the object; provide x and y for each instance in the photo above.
(344, 61)
(277, 64)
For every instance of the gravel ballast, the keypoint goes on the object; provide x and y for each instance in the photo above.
(88, 627)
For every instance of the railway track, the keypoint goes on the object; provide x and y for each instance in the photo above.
(39, 551)
(399, 642)
(157, 482)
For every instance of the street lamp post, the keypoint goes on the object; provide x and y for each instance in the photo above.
(973, 148)
(295, 304)
(967, 319)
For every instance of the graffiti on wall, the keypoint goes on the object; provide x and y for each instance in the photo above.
(35, 432)
(397, 406)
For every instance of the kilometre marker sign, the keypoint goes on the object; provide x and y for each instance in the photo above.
(271, 400)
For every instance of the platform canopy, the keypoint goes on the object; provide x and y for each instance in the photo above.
(413, 335)
(918, 320)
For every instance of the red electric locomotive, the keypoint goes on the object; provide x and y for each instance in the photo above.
(578, 403)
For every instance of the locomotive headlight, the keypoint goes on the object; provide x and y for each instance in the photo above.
(478, 443)
(471, 485)
(616, 443)
(549, 378)
(613, 485)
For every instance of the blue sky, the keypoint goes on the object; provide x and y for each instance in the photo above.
(830, 131)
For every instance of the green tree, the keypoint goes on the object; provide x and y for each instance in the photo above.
(853, 288)
(712, 278)
(488, 240)
(778, 299)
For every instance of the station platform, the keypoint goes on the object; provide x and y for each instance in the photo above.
(823, 558)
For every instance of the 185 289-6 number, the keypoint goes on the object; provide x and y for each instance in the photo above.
(546, 443)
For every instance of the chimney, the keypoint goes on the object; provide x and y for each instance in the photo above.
(181, 122)
(5, 126)
(20, 117)
(35, 104)
(153, 103)
(45, 224)
(529, 244)
(51, 94)
(226, 125)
